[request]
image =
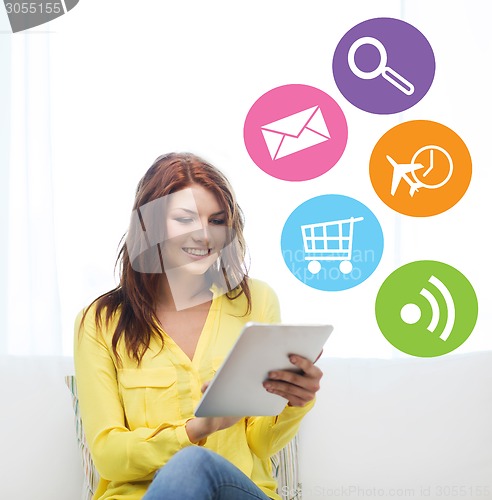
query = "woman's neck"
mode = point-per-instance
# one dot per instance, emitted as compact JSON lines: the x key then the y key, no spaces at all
{"x":178,"y":291}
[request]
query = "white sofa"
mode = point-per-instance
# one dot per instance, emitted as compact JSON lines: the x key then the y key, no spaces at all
{"x":405,"y":428}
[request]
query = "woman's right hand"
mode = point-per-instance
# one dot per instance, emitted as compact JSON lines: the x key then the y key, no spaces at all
{"x":199,"y":428}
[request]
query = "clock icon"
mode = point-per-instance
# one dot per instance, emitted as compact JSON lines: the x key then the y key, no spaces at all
{"x":437,"y":167}
{"x":420,"y":168}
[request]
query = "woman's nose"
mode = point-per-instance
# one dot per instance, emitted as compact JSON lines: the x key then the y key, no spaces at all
{"x":203,"y":234}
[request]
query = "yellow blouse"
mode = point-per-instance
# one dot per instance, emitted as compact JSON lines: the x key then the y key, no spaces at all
{"x":134,"y":417}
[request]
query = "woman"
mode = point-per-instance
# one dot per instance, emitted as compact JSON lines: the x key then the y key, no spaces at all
{"x":145,"y":350}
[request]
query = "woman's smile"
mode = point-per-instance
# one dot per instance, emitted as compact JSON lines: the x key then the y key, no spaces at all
{"x":198,"y":252}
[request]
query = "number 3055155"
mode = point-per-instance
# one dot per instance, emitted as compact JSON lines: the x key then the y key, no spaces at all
{"x":34,"y":8}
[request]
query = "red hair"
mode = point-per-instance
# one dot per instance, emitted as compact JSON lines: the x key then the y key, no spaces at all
{"x":135,"y":296}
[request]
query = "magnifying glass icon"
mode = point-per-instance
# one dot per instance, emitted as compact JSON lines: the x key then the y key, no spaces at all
{"x":387,"y":73}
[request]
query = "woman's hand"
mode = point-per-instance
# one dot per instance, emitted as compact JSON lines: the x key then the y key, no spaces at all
{"x":199,"y":428}
{"x":297,"y":388}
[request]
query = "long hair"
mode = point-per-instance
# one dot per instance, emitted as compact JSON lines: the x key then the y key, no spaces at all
{"x":135,"y":296}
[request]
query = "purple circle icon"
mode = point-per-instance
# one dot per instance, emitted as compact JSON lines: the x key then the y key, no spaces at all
{"x":384,"y":65}
{"x":295,"y":132}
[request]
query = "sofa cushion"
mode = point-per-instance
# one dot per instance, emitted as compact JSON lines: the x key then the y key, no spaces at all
{"x":39,"y":458}
{"x":91,"y":476}
{"x":405,"y":427}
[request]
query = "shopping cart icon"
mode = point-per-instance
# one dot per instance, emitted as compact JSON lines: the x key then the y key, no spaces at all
{"x":329,"y":241}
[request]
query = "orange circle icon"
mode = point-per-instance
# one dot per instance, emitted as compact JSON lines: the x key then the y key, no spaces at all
{"x":420,"y":168}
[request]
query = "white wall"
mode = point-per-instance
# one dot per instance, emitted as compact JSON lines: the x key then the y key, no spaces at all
{"x":130,"y":81}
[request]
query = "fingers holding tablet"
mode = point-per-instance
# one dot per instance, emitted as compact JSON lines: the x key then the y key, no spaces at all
{"x":299,"y":388}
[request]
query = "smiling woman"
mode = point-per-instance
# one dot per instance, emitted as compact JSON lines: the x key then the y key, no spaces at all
{"x":185,"y":208}
{"x":145,"y":351}
{"x":195,"y":230}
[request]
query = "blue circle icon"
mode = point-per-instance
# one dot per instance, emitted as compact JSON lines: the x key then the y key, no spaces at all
{"x":332,"y":242}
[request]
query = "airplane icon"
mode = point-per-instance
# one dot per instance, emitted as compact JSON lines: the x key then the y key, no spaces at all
{"x":400,"y":171}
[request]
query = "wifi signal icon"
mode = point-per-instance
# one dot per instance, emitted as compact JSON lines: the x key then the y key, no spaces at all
{"x":411,"y":313}
{"x":426,"y":308}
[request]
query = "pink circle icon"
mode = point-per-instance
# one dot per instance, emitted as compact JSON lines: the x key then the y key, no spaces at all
{"x":295,"y":132}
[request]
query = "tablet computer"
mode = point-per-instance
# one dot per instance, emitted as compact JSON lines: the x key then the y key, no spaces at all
{"x":237,"y":388}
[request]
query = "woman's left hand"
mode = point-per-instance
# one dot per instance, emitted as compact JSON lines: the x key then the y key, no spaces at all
{"x":297,"y":388}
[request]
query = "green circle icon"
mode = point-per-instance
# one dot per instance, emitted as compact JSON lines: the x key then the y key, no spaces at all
{"x":426,"y":308}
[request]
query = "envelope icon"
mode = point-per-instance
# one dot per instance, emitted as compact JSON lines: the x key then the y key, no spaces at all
{"x":295,"y":132}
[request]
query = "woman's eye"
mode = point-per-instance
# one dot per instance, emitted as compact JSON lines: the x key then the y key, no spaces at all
{"x":218,"y":222}
{"x":184,"y":220}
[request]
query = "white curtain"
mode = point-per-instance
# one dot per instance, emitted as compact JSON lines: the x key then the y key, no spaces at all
{"x":30,"y":311}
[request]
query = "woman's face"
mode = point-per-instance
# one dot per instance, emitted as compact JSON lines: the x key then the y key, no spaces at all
{"x":196,"y":230}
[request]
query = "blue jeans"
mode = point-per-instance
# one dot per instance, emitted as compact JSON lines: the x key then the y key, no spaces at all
{"x":196,"y":473}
